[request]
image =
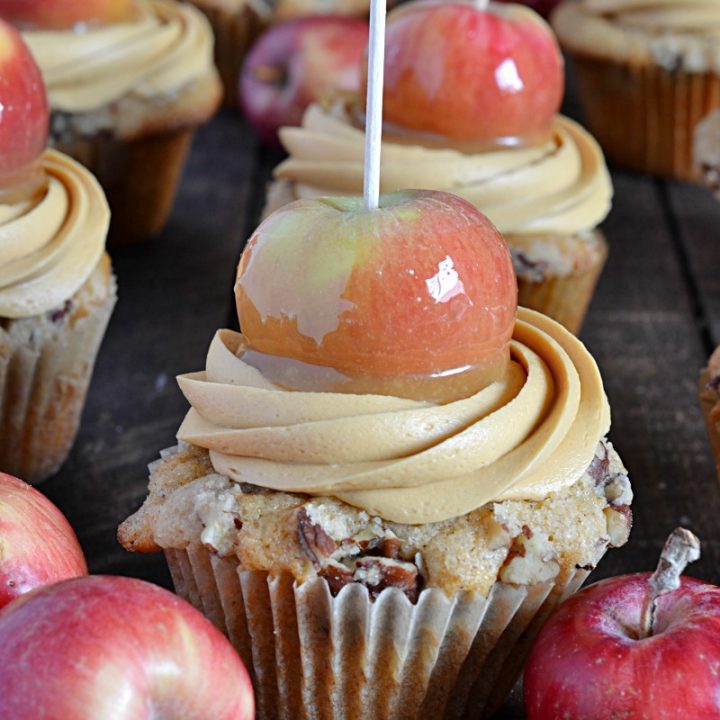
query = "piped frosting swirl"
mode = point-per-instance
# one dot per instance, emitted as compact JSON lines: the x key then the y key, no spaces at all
{"x":167,"y":47}
{"x":560,"y":187}
{"x":407,"y":461}
{"x":51,"y":243}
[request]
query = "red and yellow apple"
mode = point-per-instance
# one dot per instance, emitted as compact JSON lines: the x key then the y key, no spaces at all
{"x":456,"y":70}
{"x":65,"y":14}
{"x":23,"y":118}
{"x":607,"y":653}
{"x":112,"y":647}
{"x":37,"y":544}
{"x":294,"y":64}
{"x":422,"y":287}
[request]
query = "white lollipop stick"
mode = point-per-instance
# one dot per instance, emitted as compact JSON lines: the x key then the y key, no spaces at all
{"x":373,"y":113}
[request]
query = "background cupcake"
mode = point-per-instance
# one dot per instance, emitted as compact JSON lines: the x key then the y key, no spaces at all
{"x":128,"y":83}
{"x":455,"y":124}
{"x":56,"y":285}
{"x":385,"y":538}
{"x":647,"y":74}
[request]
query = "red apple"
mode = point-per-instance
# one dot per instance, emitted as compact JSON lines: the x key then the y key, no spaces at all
{"x":454,"y":70}
{"x":65,"y":14}
{"x":598,"y":658}
{"x":37,"y":544}
{"x":294,"y":64}
{"x":422,"y":287}
{"x":23,"y":119}
{"x":113,"y":647}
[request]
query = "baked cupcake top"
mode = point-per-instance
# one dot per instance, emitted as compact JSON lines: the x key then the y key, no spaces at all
{"x":51,"y":242}
{"x":671,"y":33}
{"x":559,"y":187}
{"x":169,"y":46}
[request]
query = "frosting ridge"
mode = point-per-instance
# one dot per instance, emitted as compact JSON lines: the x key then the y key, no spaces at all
{"x":408,"y":461}
{"x":50,"y":244}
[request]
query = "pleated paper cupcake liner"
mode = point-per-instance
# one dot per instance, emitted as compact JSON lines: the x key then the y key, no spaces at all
{"x":566,"y":298}
{"x":46,"y":363}
{"x":644,"y":116}
{"x":140,"y":177}
{"x":315,"y":656}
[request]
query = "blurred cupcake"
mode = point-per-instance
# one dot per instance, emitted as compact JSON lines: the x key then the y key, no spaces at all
{"x":648,"y":72}
{"x":710,"y":403}
{"x":377,"y":537}
{"x":128,"y":83}
{"x":238,"y":23}
{"x":57,"y":290}
{"x":706,"y":150}
{"x":492,"y":138}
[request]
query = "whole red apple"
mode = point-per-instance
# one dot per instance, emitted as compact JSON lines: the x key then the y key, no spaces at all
{"x":113,"y":647}
{"x":457,"y":70}
{"x":65,"y":14}
{"x":597,"y":658}
{"x":422,"y":287}
{"x":294,"y":64}
{"x":23,"y":118}
{"x":37,"y":544}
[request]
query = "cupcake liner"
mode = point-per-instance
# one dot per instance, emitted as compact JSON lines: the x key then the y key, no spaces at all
{"x":708,"y":401}
{"x":312,"y":655}
{"x":659,"y":109}
{"x":235,"y":31}
{"x":566,"y":298}
{"x":140,"y":177}
{"x":46,"y":363}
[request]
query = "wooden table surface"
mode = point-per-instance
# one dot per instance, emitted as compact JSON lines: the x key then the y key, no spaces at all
{"x":652,"y":324}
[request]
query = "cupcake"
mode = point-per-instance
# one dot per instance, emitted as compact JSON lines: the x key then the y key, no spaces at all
{"x":709,"y":391}
{"x":653,"y":64}
{"x":238,"y":23}
{"x":385,"y":485}
{"x":57,"y":290}
{"x":128,"y":83}
{"x":538,"y":176}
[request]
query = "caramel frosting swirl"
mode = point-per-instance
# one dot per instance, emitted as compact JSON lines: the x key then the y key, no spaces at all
{"x":559,"y":187}
{"x":50,"y":244}
{"x":407,"y":461}
{"x":668,"y":32}
{"x":168,"y":46}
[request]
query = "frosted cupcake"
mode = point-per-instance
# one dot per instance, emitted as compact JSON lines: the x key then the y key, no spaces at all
{"x":648,"y":72}
{"x":57,"y":290}
{"x":387,"y":482}
{"x":128,"y":83}
{"x":238,"y":23}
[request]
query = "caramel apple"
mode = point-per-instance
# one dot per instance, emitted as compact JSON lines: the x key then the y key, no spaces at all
{"x":23,"y":119}
{"x":416,"y":298}
{"x":465,"y":72}
{"x":64,"y":14}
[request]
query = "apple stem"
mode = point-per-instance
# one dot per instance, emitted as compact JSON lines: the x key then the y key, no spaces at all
{"x":682,"y":547}
{"x":373,"y":114}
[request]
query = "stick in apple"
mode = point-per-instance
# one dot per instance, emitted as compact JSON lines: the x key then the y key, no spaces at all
{"x":373,"y":118}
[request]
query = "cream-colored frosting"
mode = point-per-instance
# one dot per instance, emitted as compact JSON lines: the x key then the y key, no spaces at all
{"x":407,"y":461}
{"x":667,"y":32}
{"x":167,"y":47}
{"x":560,"y":187}
{"x":50,"y":244}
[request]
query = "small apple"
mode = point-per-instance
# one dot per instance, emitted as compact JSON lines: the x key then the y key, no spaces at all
{"x":24,"y":117}
{"x":113,"y":647}
{"x":65,"y":14}
{"x":37,"y":544}
{"x":294,"y":64}
{"x":642,"y":647}
{"x":422,"y":287}
{"x":465,"y":72}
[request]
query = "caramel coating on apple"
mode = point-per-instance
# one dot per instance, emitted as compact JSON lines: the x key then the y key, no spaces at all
{"x":66,"y":14}
{"x":422,"y":286}
{"x":484,"y":76}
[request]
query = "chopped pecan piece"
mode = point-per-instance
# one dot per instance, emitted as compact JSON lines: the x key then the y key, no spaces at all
{"x":316,"y":543}
{"x":378,"y":573}
{"x":388,"y":547}
{"x":58,"y":314}
{"x":337,"y":576}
